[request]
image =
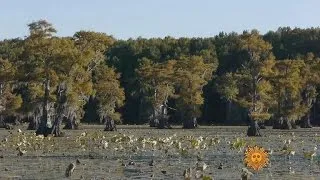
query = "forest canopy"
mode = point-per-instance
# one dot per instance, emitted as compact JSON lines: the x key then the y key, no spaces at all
{"x":248,"y":78}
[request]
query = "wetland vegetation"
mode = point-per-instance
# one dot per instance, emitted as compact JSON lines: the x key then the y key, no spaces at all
{"x":139,"y":152}
{"x":182,"y":88}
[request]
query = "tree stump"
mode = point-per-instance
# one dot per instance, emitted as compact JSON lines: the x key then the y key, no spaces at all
{"x":163,"y":122}
{"x":71,"y":123}
{"x":34,"y":123}
{"x":254,"y":129}
{"x":262,"y":126}
{"x":110,"y":125}
{"x":277,"y":123}
{"x":305,"y":122}
{"x":2,"y":123}
{"x":153,"y":122}
{"x":286,"y":124}
{"x":191,"y":123}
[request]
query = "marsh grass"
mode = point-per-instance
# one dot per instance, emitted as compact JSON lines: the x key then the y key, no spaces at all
{"x":173,"y":151}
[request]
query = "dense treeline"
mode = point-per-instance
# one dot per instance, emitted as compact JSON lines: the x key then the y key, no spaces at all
{"x":47,"y":80}
{"x":91,"y":77}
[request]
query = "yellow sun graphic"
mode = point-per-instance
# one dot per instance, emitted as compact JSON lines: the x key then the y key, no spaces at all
{"x":256,"y":158}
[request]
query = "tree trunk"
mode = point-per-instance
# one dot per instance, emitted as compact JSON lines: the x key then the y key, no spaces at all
{"x":159,"y":118}
{"x":163,"y":118}
{"x":163,"y":123}
{"x":228,"y":112}
{"x":56,"y":130}
{"x":305,"y":123}
{"x":71,"y":123}
{"x":277,"y":123}
{"x":61,"y":109}
{"x":43,"y":128}
{"x":190,"y":123}
{"x":254,"y":129}
{"x":261,"y":125}
{"x":2,"y":123}
{"x":154,"y":122}
{"x":286,"y":124}
{"x":153,"y":119}
{"x":34,"y":123}
{"x":110,"y":124}
{"x":294,"y":124}
{"x":2,"y":108}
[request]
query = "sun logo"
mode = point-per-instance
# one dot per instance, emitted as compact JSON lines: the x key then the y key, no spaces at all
{"x":256,"y":158}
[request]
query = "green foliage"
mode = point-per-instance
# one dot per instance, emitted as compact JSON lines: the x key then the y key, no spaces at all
{"x":31,"y":143}
{"x":157,"y":81}
{"x":108,"y":92}
{"x":206,"y":177}
{"x":9,"y":101}
{"x":238,"y":144}
{"x":40,"y":56}
{"x":41,"y":29}
{"x":287,"y":83}
{"x":249,"y":85}
{"x":92,"y":46}
{"x":7,"y":70}
{"x":290,"y":43}
{"x":130,"y":58}
{"x":227,"y":86}
{"x":190,"y":74}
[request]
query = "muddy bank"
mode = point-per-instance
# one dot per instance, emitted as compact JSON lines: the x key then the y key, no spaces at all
{"x":107,"y":155}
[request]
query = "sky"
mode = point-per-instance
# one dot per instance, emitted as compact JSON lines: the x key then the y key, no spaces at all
{"x":157,"y":18}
